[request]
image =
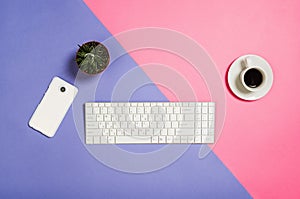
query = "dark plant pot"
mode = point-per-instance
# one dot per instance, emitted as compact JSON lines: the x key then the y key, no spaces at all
{"x":92,"y":57}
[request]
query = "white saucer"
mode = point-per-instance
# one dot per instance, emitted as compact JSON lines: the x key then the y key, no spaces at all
{"x":235,"y":84}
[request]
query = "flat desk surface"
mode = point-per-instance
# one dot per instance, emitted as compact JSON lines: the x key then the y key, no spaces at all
{"x":257,"y":151}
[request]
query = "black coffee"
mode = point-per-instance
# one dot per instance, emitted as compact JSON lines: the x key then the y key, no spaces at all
{"x":253,"y":78}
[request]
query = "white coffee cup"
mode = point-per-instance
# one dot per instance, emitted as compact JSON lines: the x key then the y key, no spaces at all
{"x":253,"y":77}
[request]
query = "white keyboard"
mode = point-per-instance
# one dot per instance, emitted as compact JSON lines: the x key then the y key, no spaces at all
{"x":149,"y":122}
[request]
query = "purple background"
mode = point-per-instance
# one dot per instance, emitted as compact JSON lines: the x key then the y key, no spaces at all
{"x":39,"y":40}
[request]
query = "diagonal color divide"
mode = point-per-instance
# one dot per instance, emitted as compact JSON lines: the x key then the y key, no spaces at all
{"x":258,"y":151}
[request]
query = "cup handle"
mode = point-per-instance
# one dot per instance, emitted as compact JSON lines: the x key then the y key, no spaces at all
{"x":247,"y":62}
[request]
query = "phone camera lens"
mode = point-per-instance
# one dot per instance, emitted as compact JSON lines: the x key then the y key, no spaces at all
{"x":62,"y":89}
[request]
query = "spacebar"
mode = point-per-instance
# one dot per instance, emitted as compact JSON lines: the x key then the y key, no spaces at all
{"x":133,"y":139}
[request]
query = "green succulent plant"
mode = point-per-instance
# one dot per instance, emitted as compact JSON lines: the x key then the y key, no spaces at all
{"x":92,"y":57}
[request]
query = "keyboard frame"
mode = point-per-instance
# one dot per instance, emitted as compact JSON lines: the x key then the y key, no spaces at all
{"x":101,"y":126}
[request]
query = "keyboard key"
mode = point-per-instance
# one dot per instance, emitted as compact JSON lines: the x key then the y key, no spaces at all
{"x":211,"y":124}
{"x":176,"y":139}
{"x":149,"y":132}
{"x":116,"y":125}
{"x":198,"y":110}
{"x":142,"y":132}
{"x":148,"y":110}
{"x":89,"y":140}
{"x":185,"y":110}
{"x":134,"y":104}
{"x":156,"y":131}
{"x":161,"y":110}
{"x":109,"y":125}
{"x":166,"y":117}
{"x":198,"y":139}
{"x":211,"y":109}
{"x":207,"y":139}
{"x":176,"y":110}
{"x":173,"y":117}
{"x":92,"y":125}
{"x":123,"y":125}
{"x":204,"y":124}
{"x":153,"y":125}
{"x":211,"y":104}
{"x":162,"y":139}
{"x":114,"y":118}
{"x":102,"y":125}
{"x":174,"y":124}
{"x":169,"y":139}
{"x":88,"y":110}
{"x":125,"y":110}
{"x":138,"y":124}
{"x":189,"y":117}
{"x":110,"y":140}
{"x":184,"y":132}
{"x":160,"y":125}
{"x":204,"y":131}
{"x":198,"y":117}
{"x":183,"y":139}
{"x":144,"y":117}
{"x":187,"y":124}
{"x":158,"y":118}
{"x":103,"y":110}
{"x":120,"y":132}
{"x":99,"y":118}
{"x":93,"y":132}
{"x":168,"y":125}
{"x":164,"y":132}
{"x":90,"y":118}
{"x":96,"y":110}
{"x":112,"y":132}
{"x":96,"y":140}
{"x":140,"y":110}
{"x":198,"y":132}
{"x":110,"y":110}
{"x":171,"y":131}
{"x":146,"y":124}
{"x":169,"y":110}
{"x":180,"y":117}
{"x":107,"y":117}
{"x":137,"y":117}
{"x":132,"y":139}
{"x":190,"y":139}
{"x":135,"y":132}
{"x":154,"y":110}
{"x":132,"y":110}
{"x":131,"y":125}
{"x":118,"y":110}
{"x":105,"y":132}
{"x":103,"y":139}
{"x":154,"y":139}
{"x":128,"y":132}
{"x":204,"y":104}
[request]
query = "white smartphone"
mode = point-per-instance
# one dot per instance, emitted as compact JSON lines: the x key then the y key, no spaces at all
{"x":53,"y":107}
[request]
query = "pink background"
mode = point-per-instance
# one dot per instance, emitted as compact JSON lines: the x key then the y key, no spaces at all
{"x":260,"y":140}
